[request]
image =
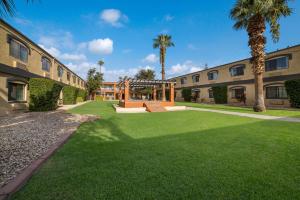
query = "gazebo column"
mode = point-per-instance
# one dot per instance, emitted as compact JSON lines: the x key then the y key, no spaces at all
{"x":126,"y":90}
{"x":171,"y":92}
{"x":120,"y":93}
{"x":154,"y":93}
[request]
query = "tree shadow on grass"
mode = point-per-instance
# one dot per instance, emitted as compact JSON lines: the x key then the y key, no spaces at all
{"x":246,"y":161}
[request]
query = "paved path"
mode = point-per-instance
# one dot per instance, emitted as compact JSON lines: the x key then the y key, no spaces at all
{"x":68,"y":107}
{"x":267,"y":117}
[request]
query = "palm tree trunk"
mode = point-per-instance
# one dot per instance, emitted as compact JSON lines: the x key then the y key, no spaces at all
{"x":163,"y":51}
{"x":257,"y":42}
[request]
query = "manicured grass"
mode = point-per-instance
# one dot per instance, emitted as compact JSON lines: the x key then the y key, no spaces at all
{"x":273,"y":112}
{"x":173,"y":155}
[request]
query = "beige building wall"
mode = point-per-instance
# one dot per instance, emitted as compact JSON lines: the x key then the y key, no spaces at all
{"x":34,"y":66}
{"x":277,"y":77}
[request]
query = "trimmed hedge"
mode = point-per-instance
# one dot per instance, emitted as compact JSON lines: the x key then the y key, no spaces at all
{"x":220,"y":94}
{"x":70,"y":95}
{"x":82,"y":95}
{"x":99,"y":98}
{"x":293,"y":92}
{"x":186,"y":93}
{"x":44,"y":94}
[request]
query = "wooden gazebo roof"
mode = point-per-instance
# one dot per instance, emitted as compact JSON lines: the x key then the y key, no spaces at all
{"x":144,"y":83}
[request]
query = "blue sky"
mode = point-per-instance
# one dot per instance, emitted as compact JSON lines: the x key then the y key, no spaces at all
{"x":121,"y":33}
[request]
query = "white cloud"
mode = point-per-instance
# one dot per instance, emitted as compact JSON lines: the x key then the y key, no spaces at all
{"x":113,"y":75}
{"x":168,"y":18}
{"x":151,"y":58}
{"x":57,"y":39}
{"x":101,"y":46}
{"x":52,"y":50}
{"x":73,"y":57}
{"x":187,"y":67}
{"x":82,"y":68}
{"x":192,"y":47}
{"x":113,"y":17}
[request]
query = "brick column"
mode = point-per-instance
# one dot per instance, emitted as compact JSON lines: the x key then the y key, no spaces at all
{"x":126,"y":90}
{"x":172,"y":92}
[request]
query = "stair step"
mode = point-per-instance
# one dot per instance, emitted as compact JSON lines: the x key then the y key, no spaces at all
{"x":154,"y":107}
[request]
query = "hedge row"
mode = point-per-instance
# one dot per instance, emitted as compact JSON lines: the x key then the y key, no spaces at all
{"x":220,"y":94}
{"x":186,"y":93}
{"x":293,"y":92}
{"x":44,"y":94}
{"x":73,"y":95}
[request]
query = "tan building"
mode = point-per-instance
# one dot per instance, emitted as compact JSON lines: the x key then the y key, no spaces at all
{"x":281,"y":65}
{"x":108,"y":91}
{"x":22,"y":59}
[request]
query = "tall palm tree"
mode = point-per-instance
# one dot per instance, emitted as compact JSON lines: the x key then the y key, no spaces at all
{"x":8,"y":7}
{"x":163,"y":42}
{"x":253,"y":15}
{"x":100,"y":63}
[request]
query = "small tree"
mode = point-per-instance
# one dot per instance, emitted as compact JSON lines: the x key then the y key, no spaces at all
{"x":186,"y":93}
{"x":94,"y":81}
{"x":145,"y":74}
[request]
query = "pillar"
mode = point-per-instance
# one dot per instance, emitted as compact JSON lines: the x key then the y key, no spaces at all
{"x":154,"y":93}
{"x":171,"y":92}
{"x":126,"y":90}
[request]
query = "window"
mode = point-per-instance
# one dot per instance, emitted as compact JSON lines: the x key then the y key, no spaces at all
{"x":183,"y":80}
{"x":277,"y":63}
{"x":237,"y":70}
{"x":68,"y":76}
{"x":237,"y":93}
{"x":276,"y":92}
{"x":60,"y":71}
{"x":19,"y":51}
{"x":46,"y":64}
{"x":16,"y":92}
{"x":212,"y":75}
{"x":78,"y":81}
{"x":74,"y":79}
{"x":210,"y":93}
{"x":196,"y":78}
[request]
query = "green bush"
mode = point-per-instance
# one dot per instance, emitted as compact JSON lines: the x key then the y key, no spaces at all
{"x":220,"y":94}
{"x":69,"y":95}
{"x":99,"y":98}
{"x":186,"y":93}
{"x":79,"y":99}
{"x":44,"y":94}
{"x":293,"y":92}
{"x":82,"y":94}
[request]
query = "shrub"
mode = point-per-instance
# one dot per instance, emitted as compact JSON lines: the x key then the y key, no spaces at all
{"x":293,"y":92}
{"x":186,"y":93}
{"x":79,"y":99}
{"x":99,"y":98}
{"x":220,"y":94}
{"x":44,"y":94}
{"x":69,"y":95}
{"x":82,"y":94}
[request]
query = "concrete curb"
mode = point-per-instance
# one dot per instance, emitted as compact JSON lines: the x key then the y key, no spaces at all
{"x":15,"y":184}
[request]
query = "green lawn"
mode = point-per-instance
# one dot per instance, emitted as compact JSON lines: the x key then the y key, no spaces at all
{"x":273,"y":112}
{"x":173,"y":155}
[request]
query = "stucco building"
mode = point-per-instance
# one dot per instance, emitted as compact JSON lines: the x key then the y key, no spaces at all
{"x":108,"y":91}
{"x":22,"y":59}
{"x":281,"y":65}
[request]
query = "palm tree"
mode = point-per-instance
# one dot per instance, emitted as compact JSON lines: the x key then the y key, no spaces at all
{"x":163,"y":42}
{"x":100,"y":63}
{"x":253,"y":15}
{"x":8,"y":7}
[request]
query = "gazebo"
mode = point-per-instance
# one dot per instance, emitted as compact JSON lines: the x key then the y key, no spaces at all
{"x":135,"y":93}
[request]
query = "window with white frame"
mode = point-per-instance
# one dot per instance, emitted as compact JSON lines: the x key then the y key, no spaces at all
{"x":196,"y":78}
{"x":16,"y":91}
{"x":237,"y":70}
{"x":183,"y":80}
{"x":277,"y":63}
{"x":18,"y":50}
{"x":210,"y":93}
{"x":237,"y":93}
{"x":60,"y":71}
{"x":46,"y":64}
{"x":213,"y":75}
{"x":276,"y":92}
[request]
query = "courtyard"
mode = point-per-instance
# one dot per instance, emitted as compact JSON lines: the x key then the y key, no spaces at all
{"x":171,"y":155}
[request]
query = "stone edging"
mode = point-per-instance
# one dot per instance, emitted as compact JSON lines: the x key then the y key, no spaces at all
{"x":14,"y":185}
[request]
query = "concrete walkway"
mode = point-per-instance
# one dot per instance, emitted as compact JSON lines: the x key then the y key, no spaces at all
{"x":256,"y":116}
{"x":68,"y":107}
